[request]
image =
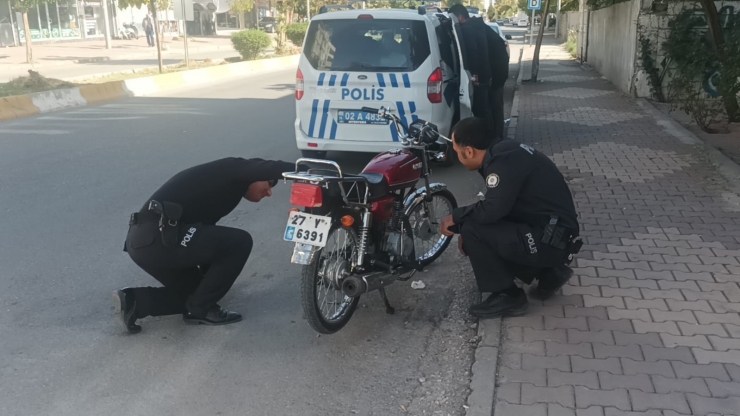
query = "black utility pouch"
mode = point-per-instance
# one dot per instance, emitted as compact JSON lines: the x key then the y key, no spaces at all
{"x":170,"y":214}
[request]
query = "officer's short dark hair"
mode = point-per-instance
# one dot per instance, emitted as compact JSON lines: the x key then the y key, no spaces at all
{"x":459,"y":10}
{"x":472,"y":132}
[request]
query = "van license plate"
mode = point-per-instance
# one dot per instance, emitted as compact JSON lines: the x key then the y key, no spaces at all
{"x":307,"y":229}
{"x":358,"y":117}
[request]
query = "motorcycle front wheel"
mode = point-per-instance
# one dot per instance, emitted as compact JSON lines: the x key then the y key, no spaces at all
{"x":424,"y":218}
{"x":326,"y":307}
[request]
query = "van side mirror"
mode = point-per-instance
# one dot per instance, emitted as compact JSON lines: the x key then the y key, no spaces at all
{"x":508,"y":37}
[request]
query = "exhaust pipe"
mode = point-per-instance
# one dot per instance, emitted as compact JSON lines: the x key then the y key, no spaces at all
{"x":355,"y":286}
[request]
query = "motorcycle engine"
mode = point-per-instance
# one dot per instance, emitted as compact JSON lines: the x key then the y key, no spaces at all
{"x":393,"y":244}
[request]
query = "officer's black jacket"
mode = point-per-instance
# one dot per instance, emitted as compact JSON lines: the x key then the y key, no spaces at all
{"x":523,"y":186}
{"x":210,"y":191}
{"x":476,"y":48}
{"x":497,"y":57}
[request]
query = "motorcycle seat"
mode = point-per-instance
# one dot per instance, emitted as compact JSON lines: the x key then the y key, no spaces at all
{"x":377,"y":184}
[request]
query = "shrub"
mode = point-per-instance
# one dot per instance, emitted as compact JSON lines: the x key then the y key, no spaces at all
{"x":572,"y":44}
{"x":250,"y":43}
{"x":296,"y":32}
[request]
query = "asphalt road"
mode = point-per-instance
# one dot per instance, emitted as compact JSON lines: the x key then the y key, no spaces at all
{"x":68,"y":182}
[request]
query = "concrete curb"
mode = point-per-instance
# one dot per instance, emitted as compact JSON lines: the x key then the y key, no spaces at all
{"x":514,"y":116}
{"x":43,"y":102}
{"x":485,"y":364}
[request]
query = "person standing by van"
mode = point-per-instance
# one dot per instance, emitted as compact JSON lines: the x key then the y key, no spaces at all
{"x":478,"y":58}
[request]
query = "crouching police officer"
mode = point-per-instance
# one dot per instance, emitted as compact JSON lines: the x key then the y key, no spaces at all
{"x":526,"y":227}
{"x":174,"y":238}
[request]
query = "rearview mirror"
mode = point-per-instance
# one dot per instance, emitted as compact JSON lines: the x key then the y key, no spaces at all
{"x":508,"y":37}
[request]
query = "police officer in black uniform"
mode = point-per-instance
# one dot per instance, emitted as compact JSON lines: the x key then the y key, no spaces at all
{"x":175,"y":239}
{"x":525,"y":228}
{"x":475,"y":43}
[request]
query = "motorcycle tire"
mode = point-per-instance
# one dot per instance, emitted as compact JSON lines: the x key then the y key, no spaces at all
{"x":314,"y":154}
{"x":312,"y":284}
{"x":425,"y":259}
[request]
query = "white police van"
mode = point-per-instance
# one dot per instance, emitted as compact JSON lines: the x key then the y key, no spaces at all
{"x":404,"y":60}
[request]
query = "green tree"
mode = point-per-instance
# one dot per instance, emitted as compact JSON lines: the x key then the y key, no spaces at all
{"x":23,"y":6}
{"x":241,"y":7}
{"x":506,"y":8}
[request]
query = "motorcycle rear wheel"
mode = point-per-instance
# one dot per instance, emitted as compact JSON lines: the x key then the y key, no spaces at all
{"x":326,"y":307}
{"x":429,"y":243}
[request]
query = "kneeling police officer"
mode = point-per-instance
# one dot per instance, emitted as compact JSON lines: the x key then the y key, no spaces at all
{"x":175,"y":239}
{"x":525,"y":228}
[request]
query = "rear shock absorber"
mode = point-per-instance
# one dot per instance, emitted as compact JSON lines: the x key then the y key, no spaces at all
{"x":364,"y":236}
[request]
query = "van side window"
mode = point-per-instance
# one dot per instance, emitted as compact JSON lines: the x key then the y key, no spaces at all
{"x":373,"y":45}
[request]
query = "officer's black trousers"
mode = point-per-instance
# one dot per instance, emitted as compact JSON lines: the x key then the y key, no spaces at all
{"x":496,"y":104}
{"x":503,"y":251}
{"x":481,"y":107}
{"x":196,"y":272}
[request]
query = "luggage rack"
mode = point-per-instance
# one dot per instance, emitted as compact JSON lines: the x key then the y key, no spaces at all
{"x":318,"y":178}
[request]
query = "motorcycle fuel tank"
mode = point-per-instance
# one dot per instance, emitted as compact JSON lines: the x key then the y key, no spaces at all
{"x":401,"y":168}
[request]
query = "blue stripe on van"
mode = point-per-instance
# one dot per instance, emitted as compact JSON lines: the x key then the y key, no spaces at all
{"x":394,"y":81}
{"x":345,"y":77}
{"x":314,"y":109}
{"x":394,"y":133}
{"x":402,"y":113}
{"x":333,"y":134}
{"x":321,"y":79}
{"x":381,"y":81}
{"x":332,"y":80}
{"x":406,"y":81}
{"x":412,"y":110}
{"x":324,"y":116}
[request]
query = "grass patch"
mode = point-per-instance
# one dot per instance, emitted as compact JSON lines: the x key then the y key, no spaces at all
{"x":35,"y":82}
{"x":572,"y":44}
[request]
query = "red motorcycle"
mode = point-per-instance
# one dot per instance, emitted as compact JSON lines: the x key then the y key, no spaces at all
{"x":359,"y":233}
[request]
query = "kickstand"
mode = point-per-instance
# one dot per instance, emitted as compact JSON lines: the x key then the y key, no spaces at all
{"x":388,"y":308}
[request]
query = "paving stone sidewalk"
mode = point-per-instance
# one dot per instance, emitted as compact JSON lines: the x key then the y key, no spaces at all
{"x":649,"y":324}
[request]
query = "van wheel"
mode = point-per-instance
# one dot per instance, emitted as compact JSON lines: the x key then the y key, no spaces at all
{"x":314,"y":154}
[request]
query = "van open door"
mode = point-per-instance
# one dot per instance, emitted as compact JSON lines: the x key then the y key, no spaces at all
{"x":466,"y":83}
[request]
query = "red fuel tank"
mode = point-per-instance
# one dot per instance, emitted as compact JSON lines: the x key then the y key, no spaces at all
{"x":401,"y":169}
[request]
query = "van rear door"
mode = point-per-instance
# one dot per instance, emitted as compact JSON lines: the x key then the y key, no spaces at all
{"x":348,"y":64}
{"x":466,"y":80}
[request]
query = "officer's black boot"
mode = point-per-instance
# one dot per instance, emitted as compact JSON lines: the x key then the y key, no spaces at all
{"x":215,"y":316}
{"x":125,"y":304}
{"x":551,"y":280}
{"x":510,"y":302}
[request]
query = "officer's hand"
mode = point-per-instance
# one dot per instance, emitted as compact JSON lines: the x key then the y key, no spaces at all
{"x":460,"y":246}
{"x":445,"y":224}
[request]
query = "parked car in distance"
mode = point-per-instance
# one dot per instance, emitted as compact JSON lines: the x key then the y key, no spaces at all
{"x":268,"y":24}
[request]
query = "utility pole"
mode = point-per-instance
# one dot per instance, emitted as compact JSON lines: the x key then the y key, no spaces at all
{"x":557,"y":22}
{"x":104,"y":3}
{"x":308,"y":10}
{"x":531,"y":29}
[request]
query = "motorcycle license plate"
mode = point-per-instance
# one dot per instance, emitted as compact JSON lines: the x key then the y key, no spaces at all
{"x":307,"y":229}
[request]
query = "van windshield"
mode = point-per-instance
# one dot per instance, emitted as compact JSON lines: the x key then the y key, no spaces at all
{"x":367,"y":45}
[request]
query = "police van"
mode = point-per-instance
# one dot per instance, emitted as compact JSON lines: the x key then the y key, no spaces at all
{"x":408,"y":61}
